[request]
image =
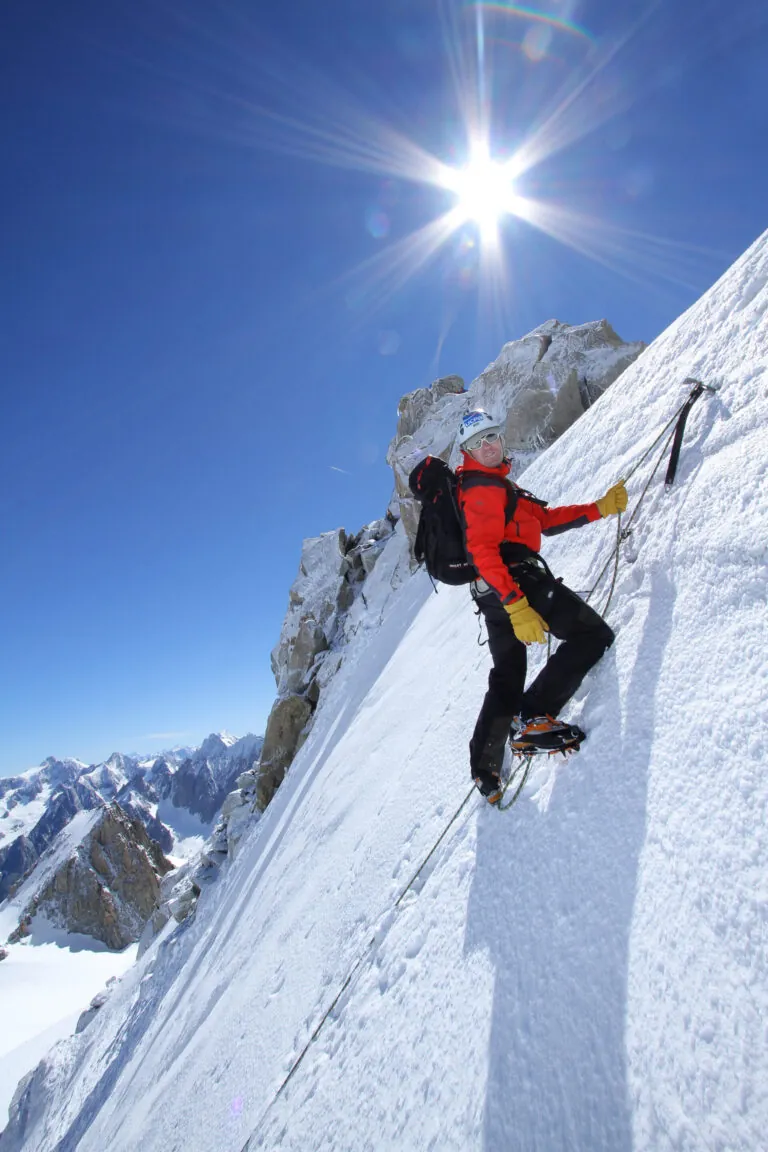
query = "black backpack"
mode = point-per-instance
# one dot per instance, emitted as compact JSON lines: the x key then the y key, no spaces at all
{"x":440,"y":536}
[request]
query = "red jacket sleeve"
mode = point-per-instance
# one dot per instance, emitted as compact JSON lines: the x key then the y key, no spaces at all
{"x":484,"y":521}
{"x":555,"y":520}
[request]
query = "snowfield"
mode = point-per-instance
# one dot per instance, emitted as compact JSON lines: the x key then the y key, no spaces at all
{"x":584,"y":972}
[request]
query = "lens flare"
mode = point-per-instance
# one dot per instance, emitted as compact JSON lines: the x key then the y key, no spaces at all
{"x":524,"y":13}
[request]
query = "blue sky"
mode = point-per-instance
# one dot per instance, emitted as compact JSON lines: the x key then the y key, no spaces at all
{"x":202,"y":343}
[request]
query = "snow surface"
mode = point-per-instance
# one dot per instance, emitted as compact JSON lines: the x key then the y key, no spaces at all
{"x":584,"y":972}
{"x":43,"y":990}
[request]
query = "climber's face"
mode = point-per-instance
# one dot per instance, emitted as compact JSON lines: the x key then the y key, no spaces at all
{"x":488,"y":451}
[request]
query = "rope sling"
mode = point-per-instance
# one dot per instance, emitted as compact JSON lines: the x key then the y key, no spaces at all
{"x":519,"y":777}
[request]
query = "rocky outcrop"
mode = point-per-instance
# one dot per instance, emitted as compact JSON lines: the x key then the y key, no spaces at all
{"x":179,"y":893}
{"x":136,"y":807}
{"x":421,"y":416}
{"x":313,"y":606}
{"x":282,"y":739}
{"x":415,"y":408}
{"x":332,"y":571}
{"x":107,"y":888}
{"x":95,"y":1006}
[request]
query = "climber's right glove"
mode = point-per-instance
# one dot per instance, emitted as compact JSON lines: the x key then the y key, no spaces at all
{"x":529,"y":627}
{"x":614,"y":501}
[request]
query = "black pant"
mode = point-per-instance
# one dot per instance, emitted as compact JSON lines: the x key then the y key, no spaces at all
{"x":585,"y":637}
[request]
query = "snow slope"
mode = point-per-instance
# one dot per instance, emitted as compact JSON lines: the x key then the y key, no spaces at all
{"x":45,"y":987}
{"x":586,"y":971}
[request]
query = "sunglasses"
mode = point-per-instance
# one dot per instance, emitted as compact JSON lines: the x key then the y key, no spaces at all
{"x":492,"y":436}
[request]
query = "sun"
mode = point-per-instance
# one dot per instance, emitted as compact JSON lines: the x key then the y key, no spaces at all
{"x":484,"y":190}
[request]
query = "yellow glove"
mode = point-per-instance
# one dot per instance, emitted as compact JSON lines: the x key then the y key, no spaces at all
{"x":615,"y":500}
{"x":528,"y":625}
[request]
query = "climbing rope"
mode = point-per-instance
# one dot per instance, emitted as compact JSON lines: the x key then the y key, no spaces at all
{"x":251,"y":1141}
{"x":518,"y":779}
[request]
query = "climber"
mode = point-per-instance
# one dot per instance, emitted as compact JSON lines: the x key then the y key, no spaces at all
{"x":521,"y":600}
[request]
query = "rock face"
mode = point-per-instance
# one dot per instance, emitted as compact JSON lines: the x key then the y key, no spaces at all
{"x":537,"y":387}
{"x":179,"y":893}
{"x":286,"y":722}
{"x":107,"y":888}
{"x":332,"y":570}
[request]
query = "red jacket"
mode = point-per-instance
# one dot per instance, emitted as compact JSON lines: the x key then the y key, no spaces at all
{"x":484,"y":510}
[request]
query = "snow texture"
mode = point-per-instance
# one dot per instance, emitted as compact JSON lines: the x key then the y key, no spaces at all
{"x":585,"y":972}
{"x":44,"y":989}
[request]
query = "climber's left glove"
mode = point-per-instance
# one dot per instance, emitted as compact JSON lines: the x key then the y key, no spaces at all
{"x":614,"y":501}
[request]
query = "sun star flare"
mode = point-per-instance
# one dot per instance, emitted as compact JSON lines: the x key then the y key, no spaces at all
{"x":485,"y":191}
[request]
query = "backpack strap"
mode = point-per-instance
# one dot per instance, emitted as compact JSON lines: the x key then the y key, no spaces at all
{"x":483,"y":480}
{"x":529,"y":495}
{"x":418,"y":544}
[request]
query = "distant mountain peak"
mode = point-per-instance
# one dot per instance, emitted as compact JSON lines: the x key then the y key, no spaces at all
{"x":215,"y":745}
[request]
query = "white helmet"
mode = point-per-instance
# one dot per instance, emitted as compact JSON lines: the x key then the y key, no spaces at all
{"x":475,"y":423}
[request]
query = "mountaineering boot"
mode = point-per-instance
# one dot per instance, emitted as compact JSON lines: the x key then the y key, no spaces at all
{"x":489,"y":785}
{"x":544,"y":734}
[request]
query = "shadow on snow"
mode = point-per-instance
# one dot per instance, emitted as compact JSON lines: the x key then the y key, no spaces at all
{"x":552,"y":901}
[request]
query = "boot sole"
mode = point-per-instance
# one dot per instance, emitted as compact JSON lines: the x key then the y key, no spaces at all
{"x":564,"y":744}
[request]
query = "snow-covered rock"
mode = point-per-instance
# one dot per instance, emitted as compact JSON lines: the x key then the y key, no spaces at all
{"x":106,"y":886}
{"x":313,"y":604}
{"x":110,"y":777}
{"x":179,"y":893}
{"x":19,"y":857}
{"x":98,"y":1001}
